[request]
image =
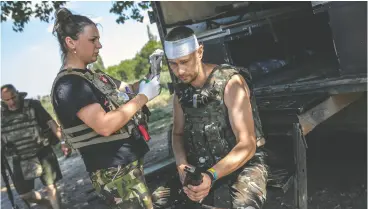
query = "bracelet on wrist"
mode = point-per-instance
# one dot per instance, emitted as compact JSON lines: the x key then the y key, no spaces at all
{"x":212,"y":173}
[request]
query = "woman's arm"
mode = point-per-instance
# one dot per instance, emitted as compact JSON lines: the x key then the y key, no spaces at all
{"x":106,"y":123}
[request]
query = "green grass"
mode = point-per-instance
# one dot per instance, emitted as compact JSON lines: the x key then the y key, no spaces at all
{"x":161,"y":100}
{"x":160,"y":120}
{"x":161,"y":107}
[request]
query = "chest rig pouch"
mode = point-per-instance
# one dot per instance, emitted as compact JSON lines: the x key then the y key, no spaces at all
{"x":114,"y":99}
{"x":208,"y":136}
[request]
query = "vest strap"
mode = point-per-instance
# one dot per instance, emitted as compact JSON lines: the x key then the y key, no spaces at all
{"x":101,"y":140}
{"x":93,"y":137}
{"x":83,"y":137}
{"x":87,"y":139}
{"x":76,"y":129}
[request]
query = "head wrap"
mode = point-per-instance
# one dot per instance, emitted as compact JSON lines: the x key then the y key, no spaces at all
{"x":180,"y":48}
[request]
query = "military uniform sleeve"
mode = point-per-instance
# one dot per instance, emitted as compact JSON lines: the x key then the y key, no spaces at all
{"x":41,"y":114}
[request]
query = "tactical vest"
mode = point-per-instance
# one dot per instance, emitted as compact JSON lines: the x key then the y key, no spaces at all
{"x":114,"y":98}
{"x":208,"y":136}
{"x":21,"y":132}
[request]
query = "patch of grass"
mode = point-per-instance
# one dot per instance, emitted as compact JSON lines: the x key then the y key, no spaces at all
{"x":165,"y":78}
{"x":161,"y":100}
{"x":161,"y":108}
{"x":160,"y":119}
{"x":46,"y":103}
{"x":160,"y":113}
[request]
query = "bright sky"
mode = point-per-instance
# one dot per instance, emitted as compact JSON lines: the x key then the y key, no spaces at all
{"x":30,"y":60}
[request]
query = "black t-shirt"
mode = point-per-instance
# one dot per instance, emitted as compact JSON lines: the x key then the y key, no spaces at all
{"x":72,"y":93}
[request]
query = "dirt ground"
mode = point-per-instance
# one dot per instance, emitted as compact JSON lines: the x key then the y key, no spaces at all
{"x":337,"y":175}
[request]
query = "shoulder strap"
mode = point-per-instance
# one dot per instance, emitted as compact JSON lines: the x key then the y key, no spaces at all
{"x":27,"y":108}
{"x":89,"y":77}
{"x":220,"y":76}
{"x":58,"y":77}
{"x":229,"y":71}
{"x":3,"y":109}
{"x":26,"y":103}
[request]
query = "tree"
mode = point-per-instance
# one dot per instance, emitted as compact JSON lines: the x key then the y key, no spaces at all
{"x":123,"y":71}
{"x":151,"y":37}
{"x":136,"y":68}
{"x":143,"y":65}
{"x":21,"y":11}
{"x":120,"y":7}
{"x":98,"y":64}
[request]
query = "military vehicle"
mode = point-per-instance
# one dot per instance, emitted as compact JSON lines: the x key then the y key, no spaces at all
{"x":308,"y":61}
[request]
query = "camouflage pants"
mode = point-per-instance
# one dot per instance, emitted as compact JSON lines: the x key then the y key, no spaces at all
{"x":246,"y":186}
{"x":123,"y":187}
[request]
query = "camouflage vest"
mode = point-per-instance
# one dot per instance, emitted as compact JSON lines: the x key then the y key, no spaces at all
{"x":208,"y":136}
{"x":115,"y":98}
{"x":21,"y":132}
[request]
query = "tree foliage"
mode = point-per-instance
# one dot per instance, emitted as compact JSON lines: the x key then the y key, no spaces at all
{"x":20,"y":12}
{"x":136,"y":68}
{"x":98,"y":64}
{"x":120,"y":8}
{"x":151,"y":37}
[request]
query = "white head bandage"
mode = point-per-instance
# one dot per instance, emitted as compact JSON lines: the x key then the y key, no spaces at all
{"x":180,"y":48}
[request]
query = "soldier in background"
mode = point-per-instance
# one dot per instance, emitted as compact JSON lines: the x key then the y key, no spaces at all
{"x":27,"y":133}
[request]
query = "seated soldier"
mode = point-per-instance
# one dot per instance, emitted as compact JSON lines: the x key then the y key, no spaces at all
{"x":216,"y":129}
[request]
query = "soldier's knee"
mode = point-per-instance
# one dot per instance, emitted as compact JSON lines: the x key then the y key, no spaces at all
{"x":51,"y":189}
{"x":250,"y":201}
{"x":249,"y":197}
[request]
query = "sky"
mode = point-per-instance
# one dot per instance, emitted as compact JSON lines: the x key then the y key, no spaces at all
{"x":31,"y":60}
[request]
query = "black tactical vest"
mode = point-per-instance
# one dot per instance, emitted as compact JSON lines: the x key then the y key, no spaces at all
{"x":21,"y":132}
{"x":208,"y":136}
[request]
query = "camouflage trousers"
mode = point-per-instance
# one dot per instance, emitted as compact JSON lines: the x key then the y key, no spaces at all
{"x":123,"y":187}
{"x":246,"y":188}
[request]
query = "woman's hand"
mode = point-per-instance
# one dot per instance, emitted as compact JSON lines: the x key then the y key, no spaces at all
{"x":150,"y":88}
